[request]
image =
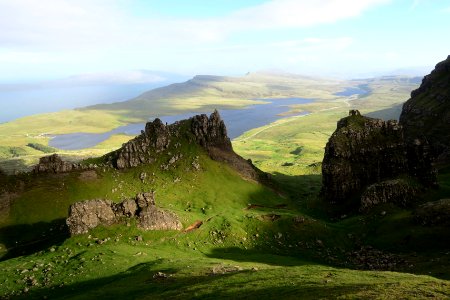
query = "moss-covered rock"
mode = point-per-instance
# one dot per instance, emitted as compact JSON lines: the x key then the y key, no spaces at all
{"x":426,"y":115}
{"x":365,"y":151}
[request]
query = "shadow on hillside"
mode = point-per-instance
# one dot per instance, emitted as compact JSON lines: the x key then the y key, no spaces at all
{"x":304,"y":192}
{"x":27,"y":239}
{"x":13,"y":165}
{"x":250,"y":255}
{"x":142,"y":281}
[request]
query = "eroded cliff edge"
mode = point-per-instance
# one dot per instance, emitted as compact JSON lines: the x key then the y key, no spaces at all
{"x":368,"y":161}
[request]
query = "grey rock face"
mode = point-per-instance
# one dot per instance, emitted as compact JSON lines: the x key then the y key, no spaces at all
{"x":89,"y":214}
{"x":145,"y":199}
{"x":127,"y":208}
{"x":151,"y":218}
{"x":211,"y":132}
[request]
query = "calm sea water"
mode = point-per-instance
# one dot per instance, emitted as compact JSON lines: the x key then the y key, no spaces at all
{"x":360,"y":90}
{"x":237,"y":121}
{"x":19,"y":103}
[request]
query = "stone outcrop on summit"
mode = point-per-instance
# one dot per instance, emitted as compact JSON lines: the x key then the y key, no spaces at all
{"x":365,"y":151}
{"x":209,"y":133}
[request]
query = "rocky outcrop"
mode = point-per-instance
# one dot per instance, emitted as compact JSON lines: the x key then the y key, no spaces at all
{"x":426,"y":115}
{"x":89,"y":214}
{"x":434,"y":213}
{"x":211,"y":132}
{"x":54,"y":164}
{"x":152,"y":218}
{"x":365,"y":151}
{"x":208,"y":132}
{"x":396,"y":191}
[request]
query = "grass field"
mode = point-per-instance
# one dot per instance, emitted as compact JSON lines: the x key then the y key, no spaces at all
{"x":237,"y":252}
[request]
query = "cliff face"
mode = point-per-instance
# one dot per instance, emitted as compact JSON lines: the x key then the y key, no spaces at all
{"x":365,"y":151}
{"x":426,"y":115}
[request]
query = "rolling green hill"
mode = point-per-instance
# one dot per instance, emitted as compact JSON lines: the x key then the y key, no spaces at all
{"x":255,"y":241}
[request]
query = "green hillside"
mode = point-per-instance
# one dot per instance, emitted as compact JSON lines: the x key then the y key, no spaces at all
{"x":254,"y":241}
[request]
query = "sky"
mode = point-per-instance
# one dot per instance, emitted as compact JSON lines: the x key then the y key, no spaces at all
{"x":50,"y":39}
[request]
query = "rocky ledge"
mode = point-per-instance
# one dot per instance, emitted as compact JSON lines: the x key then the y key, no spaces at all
{"x":365,"y":151}
{"x":209,"y":133}
{"x":89,"y":214}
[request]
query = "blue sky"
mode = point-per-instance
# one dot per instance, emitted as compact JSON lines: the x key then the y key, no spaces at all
{"x":49,"y":39}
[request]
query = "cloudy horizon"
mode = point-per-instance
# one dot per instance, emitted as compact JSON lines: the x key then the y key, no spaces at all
{"x":50,"y":39}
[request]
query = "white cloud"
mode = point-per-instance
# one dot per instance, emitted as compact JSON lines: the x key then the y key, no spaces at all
{"x":64,"y":24}
{"x":92,"y":35}
{"x":299,"y":13}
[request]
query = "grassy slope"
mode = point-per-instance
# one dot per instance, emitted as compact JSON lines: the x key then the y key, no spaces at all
{"x":235,"y":253}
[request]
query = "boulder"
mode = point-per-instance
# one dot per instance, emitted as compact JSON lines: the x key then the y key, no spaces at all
{"x":152,"y":218}
{"x":145,"y":199}
{"x":397,"y":191}
{"x":434,"y":213}
{"x":89,"y":214}
{"x":127,"y":208}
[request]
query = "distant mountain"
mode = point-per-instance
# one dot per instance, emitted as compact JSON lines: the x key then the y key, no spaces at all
{"x":205,"y":92}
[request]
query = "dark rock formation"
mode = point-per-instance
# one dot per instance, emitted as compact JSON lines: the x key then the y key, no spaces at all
{"x":434,"y":213}
{"x":426,"y":115}
{"x":395,"y":191}
{"x":54,"y":164}
{"x":364,"y":151}
{"x":89,"y":214}
{"x":210,"y":133}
